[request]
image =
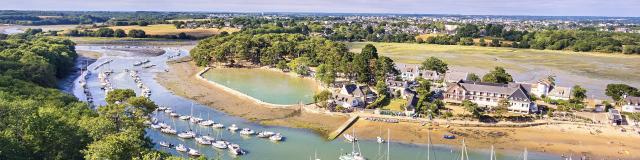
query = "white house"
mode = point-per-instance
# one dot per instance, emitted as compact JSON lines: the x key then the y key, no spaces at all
{"x":546,"y":88}
{"x":408,"y":72}
{"x":631,"y":104}
{"x":490,"y":94}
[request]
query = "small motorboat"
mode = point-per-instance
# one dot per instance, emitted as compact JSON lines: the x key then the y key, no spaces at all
{"x":247,"y":131}
{"x":202,"y":141}
{"x":352,"y":156}
{"x":206,"y":123}
{"x":185,"y":117}
{"x":218,"y":125}
{"x":164,"y":144}
{"x":350,"y":138}
{"x":169,"y":131}
{"x":276,"y":137}
{"x":233,"y":128}
{"x":164,"y":125}
{"x":449,"y":137}
{"x":193,"y":152}
{"x":220,"y":144}
{"x":181,"y":148}
{"x":174,"y":114}
{"x":265,"y":134}
{"x":235,"y":149}
{"x":379,"y":140}
{"x":208,"y":138}
{"x":156,"y":126}
{"x":168,"y":110}
{"x":195,"y":120}
{"x":187,"y":135}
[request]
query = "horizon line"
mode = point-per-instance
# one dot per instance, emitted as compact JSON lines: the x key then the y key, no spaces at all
{"x":312,"y":12}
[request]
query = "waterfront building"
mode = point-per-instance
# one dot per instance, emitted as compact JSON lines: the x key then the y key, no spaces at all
{"x":489,"y":94}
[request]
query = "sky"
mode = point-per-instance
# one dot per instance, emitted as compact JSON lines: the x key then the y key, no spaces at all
{"x":626,"y":8}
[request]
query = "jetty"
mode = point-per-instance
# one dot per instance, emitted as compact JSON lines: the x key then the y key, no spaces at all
{"x":343,"y":127}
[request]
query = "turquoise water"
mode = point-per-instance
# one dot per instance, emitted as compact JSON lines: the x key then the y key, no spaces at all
{"x":298,"y":143}
{"x":265,"y":85}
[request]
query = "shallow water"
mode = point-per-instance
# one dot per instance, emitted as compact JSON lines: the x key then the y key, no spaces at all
{"x":265,"y":85}
{"x":298,"y":144}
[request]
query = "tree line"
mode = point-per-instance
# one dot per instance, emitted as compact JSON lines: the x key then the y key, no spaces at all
{"x":573,"y":40}
{"x":294,"y":52}
{"x":41,"y":122}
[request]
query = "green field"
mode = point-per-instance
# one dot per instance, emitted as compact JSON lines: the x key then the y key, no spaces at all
{"x":593,"y":70}
{"x":396,"y":105}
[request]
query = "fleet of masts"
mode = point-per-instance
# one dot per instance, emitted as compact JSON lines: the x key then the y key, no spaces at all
{"x":216,"y":143}
{"x":146,"y":92}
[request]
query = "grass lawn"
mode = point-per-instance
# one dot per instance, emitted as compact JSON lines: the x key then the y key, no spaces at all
{"x":170,"y":29}
{"x":396,"y":104}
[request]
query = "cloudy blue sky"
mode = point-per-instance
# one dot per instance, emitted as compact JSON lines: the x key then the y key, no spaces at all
{"x":475,"y":7}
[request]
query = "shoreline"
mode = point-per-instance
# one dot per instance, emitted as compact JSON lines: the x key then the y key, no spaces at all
{"x":182,"y":76}
{"x":560,"y":139}
{"x":238,"y":93}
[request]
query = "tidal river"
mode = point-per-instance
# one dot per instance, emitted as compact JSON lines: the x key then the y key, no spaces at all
{"x":298,"y":143}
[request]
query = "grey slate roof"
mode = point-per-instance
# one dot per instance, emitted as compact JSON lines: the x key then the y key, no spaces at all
{"x":513,"y":91}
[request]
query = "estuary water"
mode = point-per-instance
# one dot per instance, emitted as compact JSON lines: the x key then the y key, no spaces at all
{"x":265,"y":85}
{"x":298,"y":143}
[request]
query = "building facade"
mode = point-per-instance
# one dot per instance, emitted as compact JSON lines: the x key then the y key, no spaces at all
{"x":489,"y":95}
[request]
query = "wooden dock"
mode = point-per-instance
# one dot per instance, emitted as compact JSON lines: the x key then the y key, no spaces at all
{"x":343,"y":127}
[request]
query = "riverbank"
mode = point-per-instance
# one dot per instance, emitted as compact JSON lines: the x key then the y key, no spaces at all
{"x":562,"y":139}
{"x":181,"y":80}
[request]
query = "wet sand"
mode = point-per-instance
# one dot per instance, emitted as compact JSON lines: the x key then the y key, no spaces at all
{"x":181,"y":80}
{"x":570,"y":140}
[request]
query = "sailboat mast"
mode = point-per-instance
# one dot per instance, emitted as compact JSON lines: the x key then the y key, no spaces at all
{"x":429,"y":145}
{"x":491,"y":157}
{"x":388,"y":142}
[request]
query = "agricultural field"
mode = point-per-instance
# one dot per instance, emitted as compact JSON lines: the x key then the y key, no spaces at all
{"x":169,"y":29}
{"x":591,"y":70}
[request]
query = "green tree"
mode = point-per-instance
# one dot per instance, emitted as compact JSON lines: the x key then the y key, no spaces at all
{"x":119,"y":95}
{"x":136,"y":33}
{"x":471,"y":108}
{"x":326,"y":74}
{"x":282,"y":65}
{"x":382,"y":88}
{"x":104,"y":32}
{"x":361,"y":68}
{"x":497,"y":75}
{"x":502,"y":108}
{"x":435,"y":64}
{"x":616,"y":91}
{"x":369,"y":52}
{"x":322,"y":98}
{"x":119,"y":33}
{"x":578,"y":94}
{"x":300,"y":65}
{"x":129,"y":144}
{"x":473,"y":77}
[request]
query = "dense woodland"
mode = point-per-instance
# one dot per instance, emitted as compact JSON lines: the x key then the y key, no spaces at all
{"x":295,"y":52}
{"x":41,"y":122}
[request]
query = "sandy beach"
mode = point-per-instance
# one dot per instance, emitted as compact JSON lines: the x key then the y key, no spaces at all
{"x":565,"y":139}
